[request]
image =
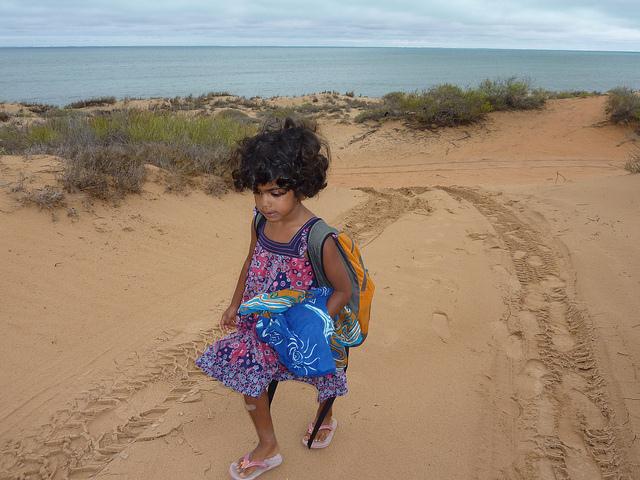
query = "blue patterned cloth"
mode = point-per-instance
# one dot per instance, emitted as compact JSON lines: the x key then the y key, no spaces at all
{"x":296,"y":324}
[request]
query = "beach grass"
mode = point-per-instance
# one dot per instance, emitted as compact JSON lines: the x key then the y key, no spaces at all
{"x":105,"y":153}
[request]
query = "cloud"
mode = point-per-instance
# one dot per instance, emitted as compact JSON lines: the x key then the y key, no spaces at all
{"x":589,"y":24}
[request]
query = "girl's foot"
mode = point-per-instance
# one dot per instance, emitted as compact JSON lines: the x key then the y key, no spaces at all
{"x":260,"y":453}
{"x":326,"y":430}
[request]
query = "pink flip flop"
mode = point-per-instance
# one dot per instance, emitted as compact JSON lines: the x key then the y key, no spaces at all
{"x":262,"y":466}
{"x":324,"y":443}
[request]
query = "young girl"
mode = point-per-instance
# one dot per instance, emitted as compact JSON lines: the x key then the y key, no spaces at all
{"x":282,"y":167}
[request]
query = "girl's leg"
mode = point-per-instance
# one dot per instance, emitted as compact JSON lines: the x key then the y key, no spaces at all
{"x":260,"y":414}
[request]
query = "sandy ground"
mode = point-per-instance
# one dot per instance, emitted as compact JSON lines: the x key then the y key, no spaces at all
{"x":505,"y":338}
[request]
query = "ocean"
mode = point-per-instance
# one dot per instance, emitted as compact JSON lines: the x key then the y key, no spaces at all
{"x":60,"y":75}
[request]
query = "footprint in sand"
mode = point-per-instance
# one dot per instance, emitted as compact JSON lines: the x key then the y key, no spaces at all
{"x":440,"y":325}
{"x":530,"y":381}
{"x":519,"y":254}
{"x":510,"y":343}
{"x":534,"y":299}
{"x":535,"y":261}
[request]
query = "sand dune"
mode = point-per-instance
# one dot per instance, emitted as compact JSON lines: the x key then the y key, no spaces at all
{"x":504,"y":341}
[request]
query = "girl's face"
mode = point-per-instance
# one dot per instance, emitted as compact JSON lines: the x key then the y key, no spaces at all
{"x":274,"y":202}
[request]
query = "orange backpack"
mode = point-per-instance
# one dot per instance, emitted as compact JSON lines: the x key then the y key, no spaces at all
{"x":352,"y":323}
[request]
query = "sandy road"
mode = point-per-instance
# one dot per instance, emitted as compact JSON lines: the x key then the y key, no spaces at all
{"x":504,"y":343}
{"x":566,"y":427}
{"x":479,"y":365}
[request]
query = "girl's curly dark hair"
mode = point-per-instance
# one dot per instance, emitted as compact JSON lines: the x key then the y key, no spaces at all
{"x":289,"y":154}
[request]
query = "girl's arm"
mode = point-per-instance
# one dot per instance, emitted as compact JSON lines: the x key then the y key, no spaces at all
{"x":337,"y":275}
{"x":229,"y":315}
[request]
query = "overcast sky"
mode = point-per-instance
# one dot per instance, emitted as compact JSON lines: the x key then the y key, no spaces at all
{"x":543,"y":24}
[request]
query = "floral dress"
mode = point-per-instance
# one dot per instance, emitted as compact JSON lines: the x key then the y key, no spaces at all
{"x":242,"y":362}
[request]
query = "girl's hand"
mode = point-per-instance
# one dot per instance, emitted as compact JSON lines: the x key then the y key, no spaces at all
{"x":228,"y":319}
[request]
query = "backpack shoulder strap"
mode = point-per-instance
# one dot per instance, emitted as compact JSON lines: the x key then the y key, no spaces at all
{"x":319,"y":232}
{"x":257,"y":220}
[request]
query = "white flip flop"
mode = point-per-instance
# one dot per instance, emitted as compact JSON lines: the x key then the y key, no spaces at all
{"x":261,"y":466}
{"x":324,"y":443}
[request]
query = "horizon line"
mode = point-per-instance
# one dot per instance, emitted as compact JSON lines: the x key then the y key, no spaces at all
{"x":321,"y":46}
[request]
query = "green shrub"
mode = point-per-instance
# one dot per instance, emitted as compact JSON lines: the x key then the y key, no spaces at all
{"x":214,"y":94}
{"x":12,"y":139}
{"x":449,"y":105}
{"x":623,"y":105}
{"x":42,"y":134}
{"x":376,"y":114}
{"x":570,"y":94}
{"x":93,"y":102}
{"x":237,"y":116}
{"x":442,"y":105}
{"x":511,"y":94}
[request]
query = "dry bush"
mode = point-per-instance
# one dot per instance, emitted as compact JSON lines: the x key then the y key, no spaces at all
{"x":4,"y":116}
{"x":48,"y":197}
{"x":356,"y":103}
{"x":633,"y":164}
{"x":177,"y":181}
{"x":216,"y":186}
{"x":39,"y":108}
{"x":191,"y":102}
{"x":105,"y":172}
{"x":19,"y":185}
{"x":304,"y":110}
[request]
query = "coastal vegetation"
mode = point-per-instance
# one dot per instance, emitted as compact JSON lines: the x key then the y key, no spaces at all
{"x":105,"y":143}
{"x":105,"y":153}
{"x":449,"y":105}
{"x":93,"y":102}
{"x":623,"y":106}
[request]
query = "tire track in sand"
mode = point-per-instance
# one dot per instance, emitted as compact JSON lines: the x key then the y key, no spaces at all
{"x":100,"y":423}
{"x":566,"y":428}
{"x":80,"y":440}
